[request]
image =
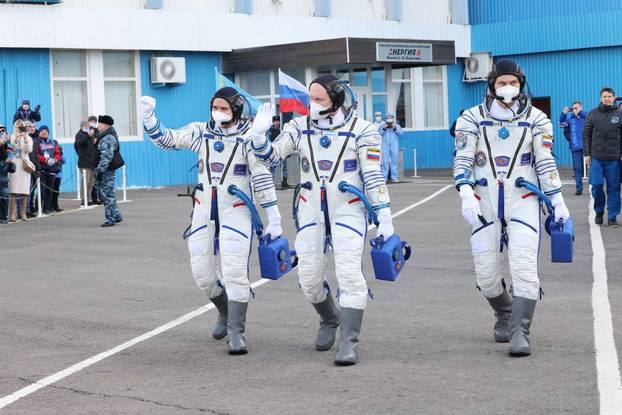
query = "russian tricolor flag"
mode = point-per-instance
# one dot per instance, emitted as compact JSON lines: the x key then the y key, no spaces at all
{"x":293,"y":95}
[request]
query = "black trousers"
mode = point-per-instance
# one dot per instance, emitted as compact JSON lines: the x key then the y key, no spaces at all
{"x":56,"y":193}
{"x":47,"y":190}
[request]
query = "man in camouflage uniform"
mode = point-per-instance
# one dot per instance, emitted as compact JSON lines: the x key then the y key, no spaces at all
{"x":108,"y":144}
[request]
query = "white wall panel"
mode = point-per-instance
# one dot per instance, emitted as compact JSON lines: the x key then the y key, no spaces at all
{"x":195,"y":29}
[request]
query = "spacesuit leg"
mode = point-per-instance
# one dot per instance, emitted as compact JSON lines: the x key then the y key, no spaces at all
{"x":524,"y":239}
{"x":485,"y":250}
{"x":349,"y":229}
{"x":309,"y":247}
{"x":235,"y":243}
{"x":204,"y":267}
{"x":311,"y":275}
{"x":202,"y":260}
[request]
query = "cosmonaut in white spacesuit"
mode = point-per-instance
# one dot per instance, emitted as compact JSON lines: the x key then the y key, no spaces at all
{"x":334,"y":145}
{"x":503,"y":138}
{"x":220,"y":236}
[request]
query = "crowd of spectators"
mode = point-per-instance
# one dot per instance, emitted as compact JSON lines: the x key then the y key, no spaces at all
{"x":28,"y":153}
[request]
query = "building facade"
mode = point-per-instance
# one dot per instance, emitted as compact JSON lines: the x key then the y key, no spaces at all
{"x":82,"y":57}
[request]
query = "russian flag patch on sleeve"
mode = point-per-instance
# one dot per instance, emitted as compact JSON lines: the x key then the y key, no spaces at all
{"x":373,"y":153}
{"x":547,"y":140}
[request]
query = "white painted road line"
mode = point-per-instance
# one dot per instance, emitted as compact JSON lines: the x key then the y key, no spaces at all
{"x":49,"y":380}
{"x":607,"y":366}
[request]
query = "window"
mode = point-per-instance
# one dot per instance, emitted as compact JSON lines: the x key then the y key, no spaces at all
{"x":378,"y":90}
{"x":256,"y":83}
{"x":419,"y":97}
{"x":359,"y":77}
{"x":94,"y":82}
{"x":433,"y":97}
{"x":70,"y":97}
{"x":120,"y":91}
{"x":402,"y":96}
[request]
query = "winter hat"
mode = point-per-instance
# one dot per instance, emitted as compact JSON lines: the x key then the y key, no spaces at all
{"x":105,"y":119}
{"x":44,"y":127}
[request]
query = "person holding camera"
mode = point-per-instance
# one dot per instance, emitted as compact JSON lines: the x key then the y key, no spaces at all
{"x":572,"y":122}
{"x":19,"y":182}
{"x":24,"y":112}
{"x":6,"y":166}
{"x":390,"y":131}
{"x":602,"y":144}
{"x":86,"y":150}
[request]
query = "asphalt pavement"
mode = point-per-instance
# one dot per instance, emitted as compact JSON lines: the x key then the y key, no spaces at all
{"x":71,"y":290}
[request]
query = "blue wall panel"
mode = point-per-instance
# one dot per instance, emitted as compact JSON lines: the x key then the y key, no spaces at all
{"x":495,"y":11}
{"x":24,"y":74}
{"x":569,"y":76}
{"x":177,"y":106}
{"x":547,"y":34}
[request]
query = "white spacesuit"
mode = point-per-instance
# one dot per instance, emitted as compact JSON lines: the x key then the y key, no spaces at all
{"x":498,"y":141}
{"x":220,"y":236}
{"x":334,"y":145}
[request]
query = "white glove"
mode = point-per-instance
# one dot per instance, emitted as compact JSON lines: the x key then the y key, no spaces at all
{"x":274,"y":223}
{"x":385,"y":223}
{"x":50,"y":161}
{"x":561,"y":211}
{"x":470,"y":205}
{"x":261,"y":124}
{"x":146,"y":106}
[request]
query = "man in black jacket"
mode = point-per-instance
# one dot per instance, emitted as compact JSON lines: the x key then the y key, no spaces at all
{"x":602,"y":146}
{"x":86,"y":150}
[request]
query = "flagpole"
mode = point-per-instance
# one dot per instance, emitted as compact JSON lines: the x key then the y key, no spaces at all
{"x":279,"y":83}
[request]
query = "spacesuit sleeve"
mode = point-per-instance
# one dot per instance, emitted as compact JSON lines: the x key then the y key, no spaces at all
{"x":189,"y":137}
{"x":467,"y":134}
{"x":263,"y":183}
{"x":272,"y":153}
{"x":546,"y":167}
{"x":368,"y":150}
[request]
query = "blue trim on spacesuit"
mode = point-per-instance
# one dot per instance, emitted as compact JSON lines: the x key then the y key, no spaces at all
{"x":235,"y":230}
{"x":343,"y":225}
{"x":523,"y":223}
{"x":308,"y":225}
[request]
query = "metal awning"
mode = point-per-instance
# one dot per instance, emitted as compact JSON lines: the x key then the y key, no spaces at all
{"x":400,"y":53}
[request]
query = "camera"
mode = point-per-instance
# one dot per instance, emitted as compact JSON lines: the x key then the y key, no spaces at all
{"x":21,"y":129}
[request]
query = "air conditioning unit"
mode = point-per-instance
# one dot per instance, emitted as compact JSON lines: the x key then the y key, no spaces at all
{"x":168,"y":70}
{"x":477,"y":67}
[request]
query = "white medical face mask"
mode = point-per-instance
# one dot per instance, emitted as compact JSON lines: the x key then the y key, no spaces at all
{"x":220,"y":118}
{"x":315,"y":110}
{"x":378,"y":119}
{"x":86,"y":130}
{"x":508,"y":93}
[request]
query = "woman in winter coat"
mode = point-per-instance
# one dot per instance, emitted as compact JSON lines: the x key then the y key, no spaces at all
{"x":19,"y":182}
